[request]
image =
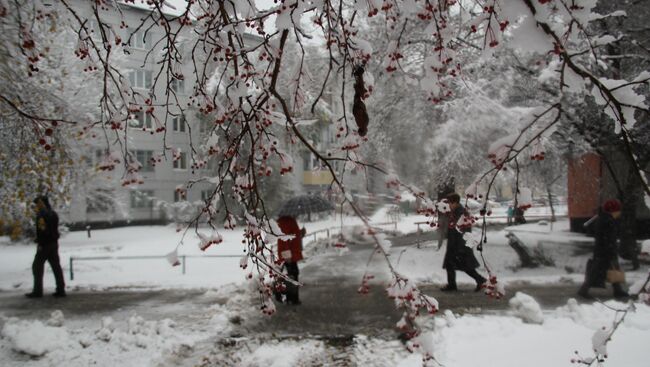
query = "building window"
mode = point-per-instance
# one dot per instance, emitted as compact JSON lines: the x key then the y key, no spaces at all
{"x":93,"y":29}
{"x":306,"y":161}
{"x":178,"y":124}
{"x":179,"y":196}
{"x":93,"y":158}
{"x":142,"y":199}
{"x":177,"y":85}
{"x":181,"y":162}
{"x":139,"y":40}
{"x":99,"y":156}
{"x":101,"y":201}
{"x":140,"y":79}
{"x":141,"y":120}
{"x":204,"y":126}
{"x":211,"y":164}
{"x":205,"y":194}
{"x":145,"y":157}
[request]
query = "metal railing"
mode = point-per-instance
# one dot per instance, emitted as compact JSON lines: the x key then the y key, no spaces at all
{"x":143,"y":257}
{"x":337,"y":229}
{"x":531,"y":216}
{"x":183,"y":258}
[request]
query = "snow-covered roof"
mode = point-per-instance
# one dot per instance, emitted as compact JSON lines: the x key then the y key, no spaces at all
{"x":169,"y":7}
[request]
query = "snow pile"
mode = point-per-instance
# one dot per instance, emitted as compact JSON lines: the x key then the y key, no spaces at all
{"x":600,"y":339}
{"x":33,"y":337}
{"x":526,"y":308}
{"x":132,"y":342}
{"x":56,"y":319}
{"x":105,"y":332}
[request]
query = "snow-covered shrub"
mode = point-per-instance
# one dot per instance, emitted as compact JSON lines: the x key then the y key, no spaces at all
{"x":526,"y":308}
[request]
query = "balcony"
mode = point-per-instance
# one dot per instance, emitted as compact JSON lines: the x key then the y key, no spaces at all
{"x":319,"y":177}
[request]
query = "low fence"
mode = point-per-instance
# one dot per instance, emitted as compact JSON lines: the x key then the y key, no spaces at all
{"x":183,"y":258}
{"x":144,"y":257}
{"x":492,"y":217}
{"x":333,"y":230}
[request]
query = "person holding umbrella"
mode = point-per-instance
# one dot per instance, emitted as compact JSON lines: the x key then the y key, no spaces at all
{"x":291,"y":252}
{"x":458,"y":256}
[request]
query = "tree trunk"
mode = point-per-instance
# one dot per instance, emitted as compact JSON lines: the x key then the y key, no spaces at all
{"x":550,"y":203}
{"x":629,"y":248}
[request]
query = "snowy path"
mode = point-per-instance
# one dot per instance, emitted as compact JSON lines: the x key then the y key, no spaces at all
{"x":220,"y":325}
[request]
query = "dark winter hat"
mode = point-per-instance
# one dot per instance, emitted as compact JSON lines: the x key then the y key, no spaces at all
{"x":44,"y":200}
{"x":612,"y":205}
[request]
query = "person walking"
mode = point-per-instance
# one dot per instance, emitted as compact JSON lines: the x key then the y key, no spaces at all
{"x":519,"y":216}
{"x":458,"y":256}
{"x":47,"y":239}
{"x":511,"y":214}
{"x":605,"y":256}
{"x":291,"y":252}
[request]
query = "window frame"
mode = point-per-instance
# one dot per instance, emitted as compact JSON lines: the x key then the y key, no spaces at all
{"x":181,"y":163}
{"x":141,"y":79}
{"x":177,"y":85}
{"x":145,"y":156}
{"x":141,"y":202}
{"x":138,"y":40}
{"x":145,"y":120}
{"x":178,"y":123}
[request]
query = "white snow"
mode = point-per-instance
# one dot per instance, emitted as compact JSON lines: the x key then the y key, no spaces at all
{"x":526,"y":308}
{"x":33,"y":337}
{"x":526,"y":335}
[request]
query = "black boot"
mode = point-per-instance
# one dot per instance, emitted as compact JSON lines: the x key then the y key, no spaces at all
{"x":619,"y":293}
{"x":583,"y":292}
{"x":451,"y":282}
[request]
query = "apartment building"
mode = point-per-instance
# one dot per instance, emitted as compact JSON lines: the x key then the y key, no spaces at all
{"x":102,"y":201}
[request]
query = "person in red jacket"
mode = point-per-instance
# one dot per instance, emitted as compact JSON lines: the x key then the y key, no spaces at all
{"x":291,"y":252}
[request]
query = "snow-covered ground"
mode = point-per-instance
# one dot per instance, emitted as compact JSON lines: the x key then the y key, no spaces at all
{"x":526,"y":335}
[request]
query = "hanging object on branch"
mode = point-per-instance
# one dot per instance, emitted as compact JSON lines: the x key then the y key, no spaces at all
{"x":358,"y":107}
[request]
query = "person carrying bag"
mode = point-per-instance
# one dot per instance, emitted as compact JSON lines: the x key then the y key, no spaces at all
{"x":603,"y":266}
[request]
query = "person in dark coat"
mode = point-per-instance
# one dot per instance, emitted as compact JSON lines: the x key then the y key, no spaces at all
{"x":519,"y":216}
{"x":47,"y":239}
{"x":291,"y":252}
{"x":605,"y":257}
{"x":458,"y":256}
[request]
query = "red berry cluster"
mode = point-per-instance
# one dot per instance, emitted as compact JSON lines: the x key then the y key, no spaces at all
{"x":537,"y":157}
{"x":156,"y":159}
{"x":491,"y":288}
{"x":394,"y":58}
{"x":483,"y":212}
{"x":365,"y":287}
{"x":109,"y":163}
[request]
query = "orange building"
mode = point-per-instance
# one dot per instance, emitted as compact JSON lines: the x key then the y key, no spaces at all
{"x":590,"y":182}
{"x":584,"y":181}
